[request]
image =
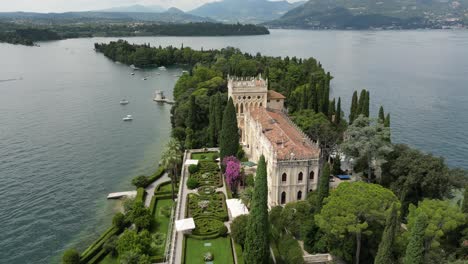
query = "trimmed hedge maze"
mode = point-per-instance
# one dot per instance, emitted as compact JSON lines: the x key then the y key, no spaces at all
{"x":208,"y":174}
{"x":213,"y":206}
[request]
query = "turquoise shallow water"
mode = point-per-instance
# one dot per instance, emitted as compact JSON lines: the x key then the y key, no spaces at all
{"x":63,"y":145}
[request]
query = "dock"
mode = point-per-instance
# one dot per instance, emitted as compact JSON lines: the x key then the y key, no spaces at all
{"x":160,"y":98}
{"x":118,"y":195}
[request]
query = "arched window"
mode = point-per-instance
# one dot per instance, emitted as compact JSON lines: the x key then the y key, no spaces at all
{"x":261,"y":104}
{"x":310,"y":190}
{"x":284,"y":177}
{"x":242,"y":108}
{"x":237,"y":108}
{"x":300,"y":176}
{"x":311,"y":175}
{"x":299,"y":195}
{"x":283,"y":197}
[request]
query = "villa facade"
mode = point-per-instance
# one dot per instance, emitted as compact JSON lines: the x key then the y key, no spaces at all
{"x":265,"y":129}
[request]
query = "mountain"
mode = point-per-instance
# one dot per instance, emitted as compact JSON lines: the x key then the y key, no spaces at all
{"x":173,"y":15}
{"x":135,"y":9}
{"x":362,"y":14}
{"x":245,"y":11}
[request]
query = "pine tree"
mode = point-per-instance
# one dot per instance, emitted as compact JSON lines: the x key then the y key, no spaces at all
{"x":338,"y":112}
{"x":229,"y":139}
{"x":415,"y":248}
{"x":387,"y":121}
{"x":323,"y":188}
{"x":353,"y":113}
{"x":257,"y":245}
{"x":381,"y":115}
{"x":385,"y":251}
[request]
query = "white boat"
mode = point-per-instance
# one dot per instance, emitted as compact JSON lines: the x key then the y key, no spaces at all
{"x":128,"y":118}
{"x":124,"y":102}
{"x":144,"y":79}
{"x":132,"y":73}
{"x":184,"y":72}
{"x":162,"y":68}
{"x":158,"y":73}
{"x":134,"y":67}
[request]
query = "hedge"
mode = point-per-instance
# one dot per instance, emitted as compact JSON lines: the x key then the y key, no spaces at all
{"x":140,"y":195}
{"x":155,"y":198}
{"x":157,"y":259}
{"x":98,"y":257}
{"x":96,"y":247}
{"x":162,"y":184}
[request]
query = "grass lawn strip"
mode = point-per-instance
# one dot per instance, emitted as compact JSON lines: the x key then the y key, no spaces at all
{"x":220,"y":248}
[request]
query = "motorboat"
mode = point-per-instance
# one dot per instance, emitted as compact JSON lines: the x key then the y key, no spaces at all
{"x":144,"y":79}
{"x":132,"y":73}
{"x":128,"y":118}
{"x":124,"y":102}
{"x":162,"y":68}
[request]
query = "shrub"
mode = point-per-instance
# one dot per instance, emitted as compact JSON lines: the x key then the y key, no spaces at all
{"x":193,"y":168}
{"x":192,"y":183}
{"x":239,"y":229}
{"x":215,"y":156}
{"x":223,"y":230}
{"x":140,"y":181}
{"x":159,"y":239}
{"x":71,"y":256}
{"x":140,"y":216}
{"x":119,"y":221}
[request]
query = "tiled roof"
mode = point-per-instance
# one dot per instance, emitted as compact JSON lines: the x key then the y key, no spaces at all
{"x":275,"y":95}
{"x":285,"y":138}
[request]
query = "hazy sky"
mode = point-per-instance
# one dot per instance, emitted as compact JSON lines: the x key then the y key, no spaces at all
{"x":83,"y":5}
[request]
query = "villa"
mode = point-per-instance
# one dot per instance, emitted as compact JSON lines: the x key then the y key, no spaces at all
{"x":265,"y":129}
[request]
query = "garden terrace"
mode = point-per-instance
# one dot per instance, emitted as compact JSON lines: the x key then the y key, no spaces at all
{"x":212,"y":205}
{"x":208,"y":174}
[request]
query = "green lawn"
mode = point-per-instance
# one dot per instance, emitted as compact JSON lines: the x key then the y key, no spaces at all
{"x":240,"y":256}
{"x":109,"y":260}
{"x":166,"y":188}
{"x":220,"y":248}
{"x":204,"y":156}
{"x":162,"y":223}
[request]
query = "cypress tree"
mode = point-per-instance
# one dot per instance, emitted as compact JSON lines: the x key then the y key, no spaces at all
{"x":381,"y":115}
{"x":319,"y":97}
{"x":188,"y":138}
{"x":465,"y":201}
{"x":326,"y":97}
{"x":323,"y":188}
{"x":336,"y":169}
{"x":415,"y":248}
{"x":353,"y":113}
{"x":331,"y":109}
{"x":387,"y":120}
{"x":338,"y":112}
{"x":212,"y":123}
{"x":257,"y":244}
{"x":366,"y":105}
{"x":191,"y":116}
{"x":315,"y":98}
{"x":218,"y":109}
{"x":361,"y":103}
{"x":229,"y":138}
{"x":385,"y":251}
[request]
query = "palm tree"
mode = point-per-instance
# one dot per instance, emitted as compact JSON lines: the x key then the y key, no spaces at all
{"x":170,"y":160}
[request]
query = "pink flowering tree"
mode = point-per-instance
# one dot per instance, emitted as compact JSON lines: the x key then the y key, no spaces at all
{"x":233,"y":172}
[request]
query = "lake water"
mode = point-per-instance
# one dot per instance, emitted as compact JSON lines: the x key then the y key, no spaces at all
{"x":64,"y":147}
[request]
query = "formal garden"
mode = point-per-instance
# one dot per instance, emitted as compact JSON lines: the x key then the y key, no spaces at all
{"x":209,"y":241}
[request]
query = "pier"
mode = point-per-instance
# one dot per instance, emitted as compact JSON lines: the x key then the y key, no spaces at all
{"x":118,"y":195}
